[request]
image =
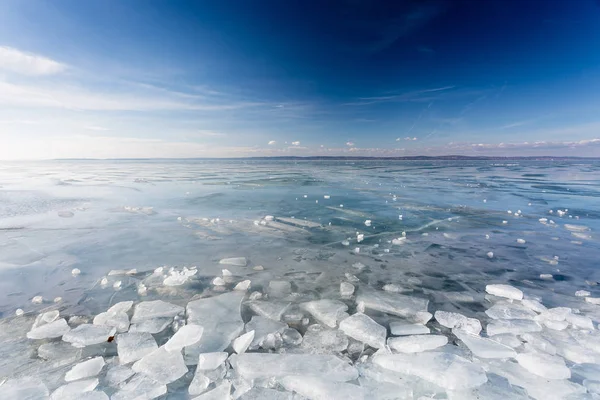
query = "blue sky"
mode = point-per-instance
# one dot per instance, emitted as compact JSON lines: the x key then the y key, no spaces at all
{"x":229,"y":78}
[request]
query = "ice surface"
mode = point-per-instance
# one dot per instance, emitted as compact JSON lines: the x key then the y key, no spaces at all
{"x":442,"y":369}
{"x":268,"y":309}
{"x":236,"y":261}
{"x":199,"y":383}
{"x":241,"y":344}
{"x":154,"y":309}
{"x":580,"y":321}
{"x":593,"y":300}
{"x":416,"y":343}
{"x":259,"y":393}
{"x":534,"y":305}
{"x":279,"y":289}
{"x":508,"y":339}
{"x":403,"y":329}
{"x":262,"y":327}
{"x":209,"y":361}
{"x":27,"y":388}
{"x":364,"y":329}
{"x":501,"y":290}
{"x":161,"y":366}
{"x":187,"y":335}
{"x":291,"y":337}
{"x":85,"y":369}
{"x":316,"y":388}
{"x":515,"y":326}
{"x":320,"y":340}
{"x":155,"y":325}
{"x":327,"y":312}
{"x":484,"y":347}
{"x":59,"y":353}
{"x":503,"y":310}
{"x":118,"y":374}
{"x":265,"y":366}
{"x":132,"y":346}
{"x":140,"y":387}
{"x":87,"y":334}
{"x":74,"y":388}
{"x":118,"y":320}
{"x":346,"y":289}
{"x":93,"y":395}
{"x":54,"y":329}
{"x":45,"y":318}
{"x":582,"y":293}
{"x":221,"y":392}
{"x":392,"y":303}
{"x":454,"y":320}
{"x":544,"y":365}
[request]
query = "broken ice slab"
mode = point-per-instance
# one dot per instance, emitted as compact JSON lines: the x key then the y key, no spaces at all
{"x":85,"y":369}
{"x":346,"y":289}
{"x":140,"y":387}
{"x":241,"y":344}
{"x":507,"y":291}
{"x":209,"y":361}
{"x":132,"y":346}
{"x":392,"y":303}
{"x":484,"y":347}
{"x":93,"y":395}
{"x":544,"y":365}
{"x":502,"y":310}
{"x":399,"y":328}
{"x":534,"y":305}
{"x":118,"y":320}
{"x":162,"y":366}
{"x":221,"y":319}
{"x":236,"y":261}
{"x":514,"y":326}
{"x":265,"y":366}
{"x":74,"y":388}
{"x":45,"y":318}
{"x":87,"y":334}
{"x":454,"y":320}
{"x":154,"y":309}
{"x":199,"y":383}
{"x":243,"y":286}
{"x":580,"y":321}
{"x":54,"y":329}
{"x":187,"y":335}
{"x":59,"y":353}
{"x":263,"y":327}
{"x":326,"y":311}
{"x":587,"y":370}
{"x":446,"y":370}
{"x":364,"y":329}
{"x":24,"y":388}
{"x":416,"y":343}
{"x":155,"y":325}
{"x":118,"y":374}
{"x":221,"y":392}
{"x":279,"y":289}
{"x":497,"y":388}
{"x":314,"y":388}
{"x":259,"y":393}
{"x":269,"y":309}
{"x":320,"y":340}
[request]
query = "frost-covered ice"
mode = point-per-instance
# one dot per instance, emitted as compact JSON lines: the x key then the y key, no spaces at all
{"x":132,"y":346}
{"x":85,"y":369}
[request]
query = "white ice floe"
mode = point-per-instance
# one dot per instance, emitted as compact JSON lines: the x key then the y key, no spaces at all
{"x":392,"y":303}
{"x":140,"y":387}
{"x":580,"y":321}
{"x":398,"y":328}
{"x":454,"y":320}
{"x":521,"y":241}
{"x":548,"y":277}
{"x":50,"y":330}
{"x":399,"y":241}
{"x":484,"y":347}
{"x":37,"y":300}
{"x":153,"y":326}
{"x":534,"y":305}
{"x":263,"y":328}
{"x":490,"y":254}
{"x":116,"y":316}
{"x":363,"y":328}
{"x":269,"y":309}
{"x":278,"y":289}
{"x":360,"y":237}
{"x":241,"y":344}
{"x":221,"y":392}
{"x":85,"y":369}
{"x":87,"y":334}
{"x":326,"y":311}
{"x":501,"y":290}
{"x":75,"y":271}
{"x":154,"y":309}
{"x":24,"y":388}
{"x":505,"y":310}
{"x":368,"y":222}
{"x":132,"y":346}
{"x":218,"y":281}
{"x":178,"y":278}
{"x":593,"y":300}
{"x":346,"y":289}
{"x":235,"y":261}
{"x":161,"y":365}
{"x":19,"y":312}
{"x":311,"y":387}
{"x":582,"y":293}
{"x":243,"y":286}
{"x":514,"y":326}
{"x":544,"y":365}
{"x":75,"y":390}
{"x":416,"y":343}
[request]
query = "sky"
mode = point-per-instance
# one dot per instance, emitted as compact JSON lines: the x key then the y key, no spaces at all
{"x":231,"y":78}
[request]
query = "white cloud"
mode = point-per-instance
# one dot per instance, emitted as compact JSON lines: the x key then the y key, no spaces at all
{"x":207,"y":133}
{"x":349,"y":144}
{"x":19,"y":62}
{"x":296,"y":143}
{"x":271,"y":142}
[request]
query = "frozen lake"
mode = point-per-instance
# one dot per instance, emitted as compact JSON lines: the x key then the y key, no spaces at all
{"x":435,"y":231}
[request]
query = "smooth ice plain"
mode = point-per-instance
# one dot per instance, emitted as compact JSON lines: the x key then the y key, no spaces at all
{"x":205,"y":279}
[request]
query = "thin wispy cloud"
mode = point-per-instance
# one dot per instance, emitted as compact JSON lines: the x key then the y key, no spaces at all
{"x":423,"y":95}
{"x":96,"y":128}
{"x":271,"y":142}
{"x":297,"y":143}
{"x":23,"y":63}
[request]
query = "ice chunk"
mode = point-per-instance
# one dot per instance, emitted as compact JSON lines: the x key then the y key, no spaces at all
{"x":554,"y":314}
{"x":265,"y":366}
{"x":508,"y":339}
{"x":236,"y":261}
{"x":582,"y":293}
{"x":416,"y":343}
{"x":316,"y":388}
{"x":45,"y":318}
{"x":259,"y":393}
{"x":483,"y":347}
{"x":243,"y":285}
{"x":278,"y":289}
{"x":593,"y":300}
{"x":346,"y":289}
{"x":199,"y":383}
{"x":59,"y":353}
{"x":118,"y":374}
{"x":132,"y":346}
{"x":155,"y":325}
{"x":534,"y":305}
{"x":27,"y":388}
{"x":291,"y":337}
{"x":161,"y":365}
{"x":140,"y":387}
{"x":364,"y":329}
{"x":580,"y":321}
{"x":490,"y":254}
{"x":85,"y":369}
{"x":454,"y":320}
{"x":326,"y":311}
{"x":496,"y":388}
{"x":446,"y":370}
{"x":514,"y":326}
{"x":210,"y":361}
{"x":118,"y":320}
{"x":154,"y":309}
{"x":220,"y":317}
{"x":555,"y":325}
{"x":546,"y":276}
{"x":538,"y":343}
{"x":586,"y":370}
{"x":503,"y":310}
{"x":544,"y":365}
{"x":392,"y":303}
{"x":241,"y":344}
{"x":37,"y":300}
{"x":187,"y":335}
{"x":48,"y":331}
{"x":521,"y":241}
{"x":320,"y":340}
{"x":500,"y":290}
{"x":87,"y":334}
{"x":73,"y":389}
{"x":590,"y":340}
{"x":19,"y":312}
{"x":218,"y":281}
{"x":268,"y":309}
{"x":221,"y":392}
{"x":421,"y":317}
{"x":75,"y":271}
{"x":403,"y":329}
{"x":262,"y":327}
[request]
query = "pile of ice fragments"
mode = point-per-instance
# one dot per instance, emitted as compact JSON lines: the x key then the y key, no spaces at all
{"x":282,"y":343}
